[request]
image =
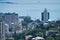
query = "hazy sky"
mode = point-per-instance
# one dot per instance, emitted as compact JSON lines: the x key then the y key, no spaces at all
{"x":31,"y":8}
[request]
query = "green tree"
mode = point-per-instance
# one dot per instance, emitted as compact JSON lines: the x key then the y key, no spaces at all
{"x":49,"y":38}
{"x":40,"y":34}
{"x":37,"y":20}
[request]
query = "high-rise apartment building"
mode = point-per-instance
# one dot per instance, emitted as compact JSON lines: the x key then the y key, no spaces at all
{"x":8,"y":23}
{"x":10,"y":20}
{"x":2,"y":29}
{"x":45,"y":16}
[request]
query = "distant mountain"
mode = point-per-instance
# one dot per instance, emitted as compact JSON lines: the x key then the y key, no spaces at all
{"x":7,"y":3}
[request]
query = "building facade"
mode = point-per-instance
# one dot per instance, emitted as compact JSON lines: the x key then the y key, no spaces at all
{"x":2,"y":29}
{"x":11,"y":19}
{"x":8,"y":24}
{"x":45,"y":16}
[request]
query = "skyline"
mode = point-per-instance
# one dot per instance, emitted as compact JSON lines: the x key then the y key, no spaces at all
{"x":32,"y":8}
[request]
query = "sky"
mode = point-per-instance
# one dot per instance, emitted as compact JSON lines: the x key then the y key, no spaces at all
{"x":32,"y":8}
